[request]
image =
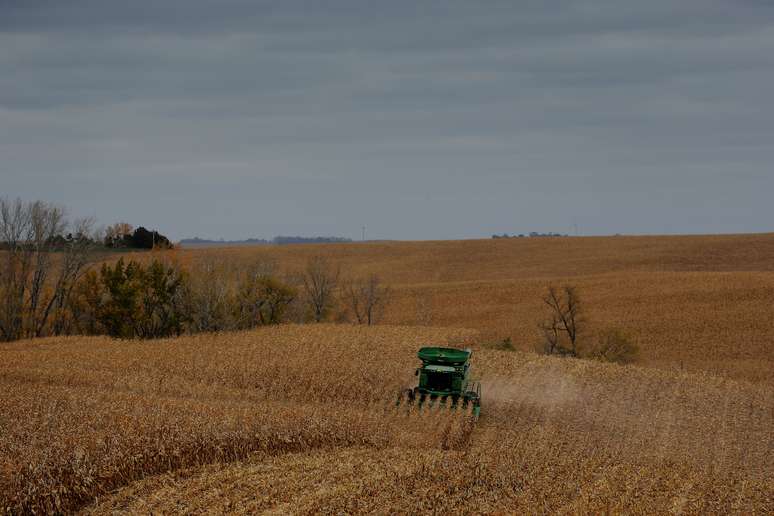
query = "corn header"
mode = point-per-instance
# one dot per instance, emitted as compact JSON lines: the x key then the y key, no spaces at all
{"x":444,"y":378}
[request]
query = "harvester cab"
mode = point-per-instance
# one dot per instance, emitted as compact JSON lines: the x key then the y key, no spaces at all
{"x":445,"y":377}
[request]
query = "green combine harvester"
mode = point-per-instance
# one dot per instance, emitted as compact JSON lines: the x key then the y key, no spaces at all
{"x":444,"y":378}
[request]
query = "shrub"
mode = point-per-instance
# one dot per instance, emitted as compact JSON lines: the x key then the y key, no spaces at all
{"x":261,"y":298}
{"x":614,"y":346}
{"x":506,"y":344}
{"x":162,"y":313}
{"x":86,"y":297}
{"x":129,"y":300}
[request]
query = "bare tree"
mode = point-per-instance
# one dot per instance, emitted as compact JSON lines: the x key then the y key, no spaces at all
{"x":208,"y":296}
{"x":550,"y":331}
{"x":562,"y":326}
{"x":367,"y":298}
{"x":76,"y":253}
{"x":40,"y":265}
{"x":319,"y":281}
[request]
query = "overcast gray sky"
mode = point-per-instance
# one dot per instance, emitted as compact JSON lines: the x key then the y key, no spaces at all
{"x":419,"y":120}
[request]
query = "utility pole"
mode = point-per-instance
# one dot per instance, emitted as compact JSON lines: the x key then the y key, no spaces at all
{"x":363,"y":233}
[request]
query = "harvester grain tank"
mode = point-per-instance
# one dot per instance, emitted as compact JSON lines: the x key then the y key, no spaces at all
{"x":444,"y":377}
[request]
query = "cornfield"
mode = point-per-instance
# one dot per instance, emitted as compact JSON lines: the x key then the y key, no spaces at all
{"x":692,"y":303}
{"x":302,"y":419}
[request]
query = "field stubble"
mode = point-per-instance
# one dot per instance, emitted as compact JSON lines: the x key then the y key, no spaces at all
{"x":693,"y":303}
{"x":301,"y":419}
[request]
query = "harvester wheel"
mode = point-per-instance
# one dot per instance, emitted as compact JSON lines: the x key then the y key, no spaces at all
{"x":406,"y":396}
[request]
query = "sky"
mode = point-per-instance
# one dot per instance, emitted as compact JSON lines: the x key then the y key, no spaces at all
{"x":416,"y":119}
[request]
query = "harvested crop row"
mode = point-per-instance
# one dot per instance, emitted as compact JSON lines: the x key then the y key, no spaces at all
{"x":80,"y":418}
{"x":397,"y":480}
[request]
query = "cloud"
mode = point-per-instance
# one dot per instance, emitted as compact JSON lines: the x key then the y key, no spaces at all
{"x":420,"y":119}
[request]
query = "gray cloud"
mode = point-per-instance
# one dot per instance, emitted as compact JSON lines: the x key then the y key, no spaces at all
{"x":417,"y":119}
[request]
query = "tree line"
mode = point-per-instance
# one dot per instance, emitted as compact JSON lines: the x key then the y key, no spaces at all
{"x":123,"y":236}
{"x":161,"y":299}
{"x":50,"y":284}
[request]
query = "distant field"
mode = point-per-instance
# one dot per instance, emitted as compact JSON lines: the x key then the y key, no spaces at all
{"x":301,"y":419}
{"x":695,"y":303}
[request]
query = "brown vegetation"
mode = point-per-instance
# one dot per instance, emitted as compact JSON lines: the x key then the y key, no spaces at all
{"x":301,"y":419}
{"x":695,"y":303}
{"x":692,"y":303}
{"x":39,"y":267}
